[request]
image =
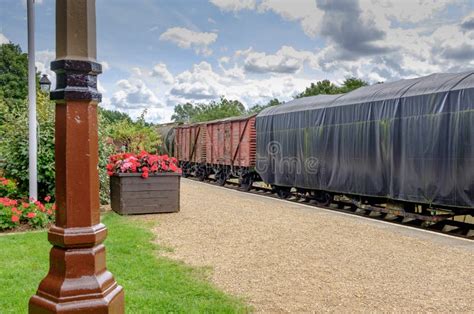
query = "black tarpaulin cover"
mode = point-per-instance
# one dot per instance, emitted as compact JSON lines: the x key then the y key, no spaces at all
{"x":410,"y":140}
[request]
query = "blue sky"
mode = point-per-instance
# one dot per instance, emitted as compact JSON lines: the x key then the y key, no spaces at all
{"x":157,"y":54}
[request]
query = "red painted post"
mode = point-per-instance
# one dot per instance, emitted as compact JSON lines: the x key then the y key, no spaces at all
{"x":78,"y":280}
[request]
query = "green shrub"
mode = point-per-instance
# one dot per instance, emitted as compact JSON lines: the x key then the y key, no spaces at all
{"x":8,"y":188}
{"x":134,"y":137}
{"x":14,"y":147}
{"x":14,"y":144}
{"x":13,"y":213}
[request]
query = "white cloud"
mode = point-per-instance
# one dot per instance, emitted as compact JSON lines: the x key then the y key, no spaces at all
{"x":234,"y":5}
{"x":405,"y":11}
{"x":285,"y":60}
{"x":134,"y":93}
{"x":202,"y":84}
{"x":105,"y":66}
{"x":160,"y":70}
{"x":186,"y":38}
{"x":468,"y":22}
{"x":3,"y":39}
{"x":304,"y":11}
{"x":197,"y":84}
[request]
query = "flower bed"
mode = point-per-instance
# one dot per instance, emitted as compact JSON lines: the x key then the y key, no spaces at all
{"x":131,"y":194}
{"x":20,"y":214}
{"x":143,"y":163}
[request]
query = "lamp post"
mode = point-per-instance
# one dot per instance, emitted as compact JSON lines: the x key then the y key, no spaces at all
{"x":32,"y":140}
{"x":45,"y":84}
{"x":78,"y":280}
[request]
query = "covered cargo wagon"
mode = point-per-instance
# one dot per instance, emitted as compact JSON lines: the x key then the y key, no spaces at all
{"x":409,"y":141}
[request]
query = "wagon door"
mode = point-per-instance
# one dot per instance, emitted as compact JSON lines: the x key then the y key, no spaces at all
{"x":227,"y":154}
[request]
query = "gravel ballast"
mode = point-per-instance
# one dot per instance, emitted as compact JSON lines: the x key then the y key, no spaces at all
{"x":285,"y":257}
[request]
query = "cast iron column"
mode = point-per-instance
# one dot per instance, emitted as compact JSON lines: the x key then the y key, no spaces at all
{"x":78,"y":280}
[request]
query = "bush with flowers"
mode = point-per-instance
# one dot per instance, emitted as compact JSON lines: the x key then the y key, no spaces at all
{"x":143,"y":163}
{"x":15,"y":213}
{"x":35,"y":214}
{"x":8,"y":188}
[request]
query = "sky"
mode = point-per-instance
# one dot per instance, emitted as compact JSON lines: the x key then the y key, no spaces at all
{"x":159,"y":53}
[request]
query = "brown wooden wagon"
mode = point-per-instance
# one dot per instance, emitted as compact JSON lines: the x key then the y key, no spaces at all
{"x":224,"y":148}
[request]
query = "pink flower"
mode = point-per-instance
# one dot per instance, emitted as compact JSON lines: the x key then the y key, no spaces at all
{"x":15,"y":218}
{"x":31,"y":215}
{"x":47,"y":198}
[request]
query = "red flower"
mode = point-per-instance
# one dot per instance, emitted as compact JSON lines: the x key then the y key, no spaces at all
{"x":154,"y":168}
{"x":15,"y":218}
{"x":31,"y":215}
{"x":145,"y":169}
{"x":110,"y":173}
{"x":25,"y":205}
{"x":110,"y":167}
{"x":49,"y":212}
{"x":173,"y":167}
{"x":164,"y":166}
{"x":145,"y":175}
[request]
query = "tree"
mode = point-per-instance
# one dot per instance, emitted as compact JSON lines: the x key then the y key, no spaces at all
{"x":326,"y":87}
{"x":113,"y":116}
{"x":221,"y":109}
{"x":13,"y":72}
{"x":184,"y":113}
{"x":352,"y":83}
{"x":257,"y":108}
{"x":321,"y":87}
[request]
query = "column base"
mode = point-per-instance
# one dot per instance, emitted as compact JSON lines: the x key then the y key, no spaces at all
{"x":78,"y":280}
{"x":113,"y":302}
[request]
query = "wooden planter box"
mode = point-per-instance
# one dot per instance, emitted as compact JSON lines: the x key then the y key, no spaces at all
{"x":131,"y":194}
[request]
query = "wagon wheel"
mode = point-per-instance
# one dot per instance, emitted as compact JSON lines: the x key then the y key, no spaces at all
{"x":221,"y":178}
{"x":283,"y":192}
{"x":202,"y":174}
{"x":323,"y":198}
{"x":246,"y":183}
{"x":185,"y":173}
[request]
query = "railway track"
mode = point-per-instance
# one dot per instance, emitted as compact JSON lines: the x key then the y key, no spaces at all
{"x":448,"y":227}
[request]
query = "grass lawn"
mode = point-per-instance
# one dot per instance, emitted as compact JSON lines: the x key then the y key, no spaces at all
{"x":152,"y":284}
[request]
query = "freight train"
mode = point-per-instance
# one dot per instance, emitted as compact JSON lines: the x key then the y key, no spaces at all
{"x":404,"y":147}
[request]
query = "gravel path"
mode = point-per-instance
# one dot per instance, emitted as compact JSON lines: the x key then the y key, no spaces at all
{"x":284,"y":257}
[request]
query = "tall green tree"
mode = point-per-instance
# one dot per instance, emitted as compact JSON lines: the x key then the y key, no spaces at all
{"x":13,"y":72}
{"x":352,"y":83}
{"x":184,"y":113}
{"x":113,"y":116}
{"x":329,"y":88}
{"x":221,"y":109}
{"x":257,"y":108}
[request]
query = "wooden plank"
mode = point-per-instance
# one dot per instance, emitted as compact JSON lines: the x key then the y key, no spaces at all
{"x":149,"y":187}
